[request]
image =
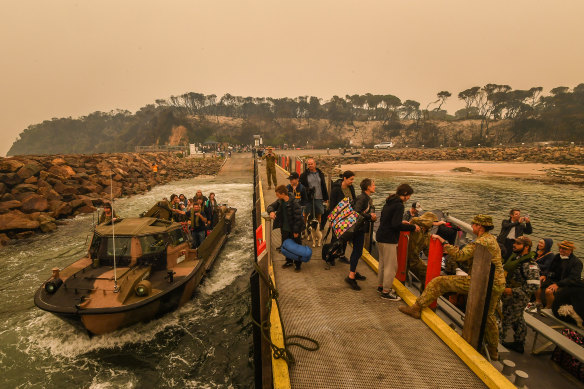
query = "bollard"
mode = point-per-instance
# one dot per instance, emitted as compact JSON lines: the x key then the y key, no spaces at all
{"x":508,"y":367}
{"x":268,"y":242}
{"x":402,"y":256}
{"x":521,"y":378}
{"x":434,"y":263}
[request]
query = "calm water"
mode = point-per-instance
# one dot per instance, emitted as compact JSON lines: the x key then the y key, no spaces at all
{"x":556,"y":211}
{"x":206,"y":343}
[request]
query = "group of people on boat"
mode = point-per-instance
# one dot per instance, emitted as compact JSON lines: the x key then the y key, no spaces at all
{"x":523,"y":273}
{"x":198,"y":214}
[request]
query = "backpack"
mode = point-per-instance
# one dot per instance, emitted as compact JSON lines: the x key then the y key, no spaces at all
{"x":344,"y":220}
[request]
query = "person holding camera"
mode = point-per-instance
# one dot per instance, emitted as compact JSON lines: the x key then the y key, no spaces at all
{"x":512,"y":228}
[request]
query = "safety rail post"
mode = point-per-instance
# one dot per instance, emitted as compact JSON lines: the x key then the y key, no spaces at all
{"x":402,"y":256}
{"x":268,"y":236}
{"x":478,"y":297}
{"x":434,"y":263}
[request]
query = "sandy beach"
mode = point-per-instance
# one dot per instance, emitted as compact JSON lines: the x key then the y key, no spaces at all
{"x":478,"y":168}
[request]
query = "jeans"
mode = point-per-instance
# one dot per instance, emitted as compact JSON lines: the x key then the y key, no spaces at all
{"x":358,"y":242}
{"x":198,"y":238}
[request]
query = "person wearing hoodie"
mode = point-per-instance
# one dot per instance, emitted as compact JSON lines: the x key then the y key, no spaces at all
{"x":363,"y":206}
{"x":522,"y":280}
{"x":341,"y":188}
{"x":390,"y":225}
{"x":544,"y":255}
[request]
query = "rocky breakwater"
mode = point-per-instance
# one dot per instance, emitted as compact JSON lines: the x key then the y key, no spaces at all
{"x":37,"y":191}
{"x":569,"y":155}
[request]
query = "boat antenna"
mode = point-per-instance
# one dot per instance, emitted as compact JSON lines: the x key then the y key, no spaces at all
{"x":116,"y":289}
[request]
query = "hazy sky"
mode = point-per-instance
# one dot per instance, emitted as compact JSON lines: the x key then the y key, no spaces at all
{"x":70,"y":58}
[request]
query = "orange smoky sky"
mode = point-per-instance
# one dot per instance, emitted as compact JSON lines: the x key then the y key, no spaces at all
{"x":70,"y":58}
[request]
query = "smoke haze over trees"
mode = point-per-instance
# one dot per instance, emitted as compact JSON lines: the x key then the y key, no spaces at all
{"x":529,"y":115}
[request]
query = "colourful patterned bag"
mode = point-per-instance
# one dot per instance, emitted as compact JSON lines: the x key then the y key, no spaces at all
{"x":343,"y":219}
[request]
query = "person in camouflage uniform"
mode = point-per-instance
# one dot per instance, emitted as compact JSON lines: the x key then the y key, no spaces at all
{"x":481,"y":225}
{"x":271,"y":158}
{"x":420,"y":241}
{"x":522,"y":277}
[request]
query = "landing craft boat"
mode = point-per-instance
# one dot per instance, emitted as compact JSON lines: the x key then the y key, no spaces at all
{"x":135,"y":270}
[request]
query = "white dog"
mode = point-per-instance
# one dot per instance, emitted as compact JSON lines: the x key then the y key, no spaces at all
{"x":314,"y":232}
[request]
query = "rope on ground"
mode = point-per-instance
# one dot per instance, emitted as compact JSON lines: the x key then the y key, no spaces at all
{"x":264,"y":326}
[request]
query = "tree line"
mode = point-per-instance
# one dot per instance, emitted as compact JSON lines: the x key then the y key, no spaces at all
{"x":558,"y":115}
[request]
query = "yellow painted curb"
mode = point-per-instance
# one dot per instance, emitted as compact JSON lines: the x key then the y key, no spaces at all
{"x":280,"y":372}
{"x":471,"y":357}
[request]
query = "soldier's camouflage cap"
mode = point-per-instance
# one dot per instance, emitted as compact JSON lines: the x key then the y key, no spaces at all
{"x":426,"y":220}
{"x":483,"y":220}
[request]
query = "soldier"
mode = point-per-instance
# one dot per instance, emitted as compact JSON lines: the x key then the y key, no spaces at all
{"x":420,"y":241}
{"x":270,"y":158}
{"x":481,"y":225}
{"x":522,"y":276}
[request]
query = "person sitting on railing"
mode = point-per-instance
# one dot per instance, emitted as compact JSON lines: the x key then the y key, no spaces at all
{"x":481,"y":225}
{"x":420,"y":242}
{"x":414,"y":211}
{"x":198,"y":225}
{"x":107,"y":215}
{"x":522,"y":275}
{"x":565,"y":270}
{"x":341,"y":188}
{"x":287,"y":216}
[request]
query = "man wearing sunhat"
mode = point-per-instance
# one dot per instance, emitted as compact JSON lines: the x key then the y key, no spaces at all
{"x":522,"y":276}
{"x":270,"y":158}
{"x":565,"y":270}
{"x":481,"y":225}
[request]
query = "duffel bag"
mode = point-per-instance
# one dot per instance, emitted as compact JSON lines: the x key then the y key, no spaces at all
{"x":295,"y":251}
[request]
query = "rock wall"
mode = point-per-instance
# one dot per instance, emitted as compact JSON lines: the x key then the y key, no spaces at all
{"x":36,"y":191}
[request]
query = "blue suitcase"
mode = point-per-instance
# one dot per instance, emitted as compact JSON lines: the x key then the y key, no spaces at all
{"x":295,"y":251}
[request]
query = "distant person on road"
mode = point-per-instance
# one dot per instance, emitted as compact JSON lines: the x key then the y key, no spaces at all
{"x":414,"y":211}
{"x":363,"y":206}
{"x":481,"y":225}
{"x":522,"y":280}
{"x":287,"y":216}
{"x":107,"y":215}
{"x":340,"y":189}
{"x":154,"y":168}
{"x":313,"y":179}
{"x":512,"y":228}
{"x":387,"y":237}
{"x":271,"y":159}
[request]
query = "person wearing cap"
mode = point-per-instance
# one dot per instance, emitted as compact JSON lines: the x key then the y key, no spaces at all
{"x":107,"y":215}
{"x":414,"y":211}
{"x":296,"y":190}
{"x":565,"y":270}
{"x":522,"y":280}
{"x":420,"y":241}
{"x":271,"y":159}
{"x":511,"y":228}
{"x":481,"y":225}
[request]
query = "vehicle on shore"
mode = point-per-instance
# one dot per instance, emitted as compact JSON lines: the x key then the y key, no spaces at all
{"x":135,"y":270}
{"x":384,"y":145}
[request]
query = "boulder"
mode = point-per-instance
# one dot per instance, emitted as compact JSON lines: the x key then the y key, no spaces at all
{"x":4,"y":239}
{"x":63,"y":189}
{"x":62,"y":210}
{"x":3,"y":188}
{"x":24,"y":234}
{"x":9,"y":165}
{"x":23,"y":188}
{"x":31,"y":180}
{"x":34,"y":203}
{"x":29,"y":170}
{"x":7,"y":197}
{"x":48,"y":193}
{"x":10,"y":179}
{"x":48,"y":227}
{"x":16,"y":220}
{"x":63,"y":171}
{"x":58,"y":161}
{"x":86,"y":209}
{"x":6,"y":206}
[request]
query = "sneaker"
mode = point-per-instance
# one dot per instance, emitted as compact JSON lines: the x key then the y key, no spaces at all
{"x":287,"y":264}
{"x":380,"y":289}
{"x":297,"y":270}
{"x":391,"y":296}
{"x":344,"y":260}
{"x":360,"y":277}
{"x":352,"y":283}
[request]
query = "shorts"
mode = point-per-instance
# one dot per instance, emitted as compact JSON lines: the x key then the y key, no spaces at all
{"x":318,"y":205}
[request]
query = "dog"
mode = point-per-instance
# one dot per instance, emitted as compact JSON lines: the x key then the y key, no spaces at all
{"x":315,"y":233}
{"x":569,"y":305}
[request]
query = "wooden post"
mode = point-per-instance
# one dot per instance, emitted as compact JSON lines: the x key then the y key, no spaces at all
{"x":477,"y":294}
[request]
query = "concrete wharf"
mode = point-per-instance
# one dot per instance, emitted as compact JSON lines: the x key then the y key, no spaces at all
{"x":365,"y":342}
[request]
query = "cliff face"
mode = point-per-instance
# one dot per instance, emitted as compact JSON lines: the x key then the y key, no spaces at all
{"x":35,"y":191}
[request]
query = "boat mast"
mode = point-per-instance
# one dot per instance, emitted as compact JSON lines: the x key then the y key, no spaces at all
{"x":116,"y":289}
